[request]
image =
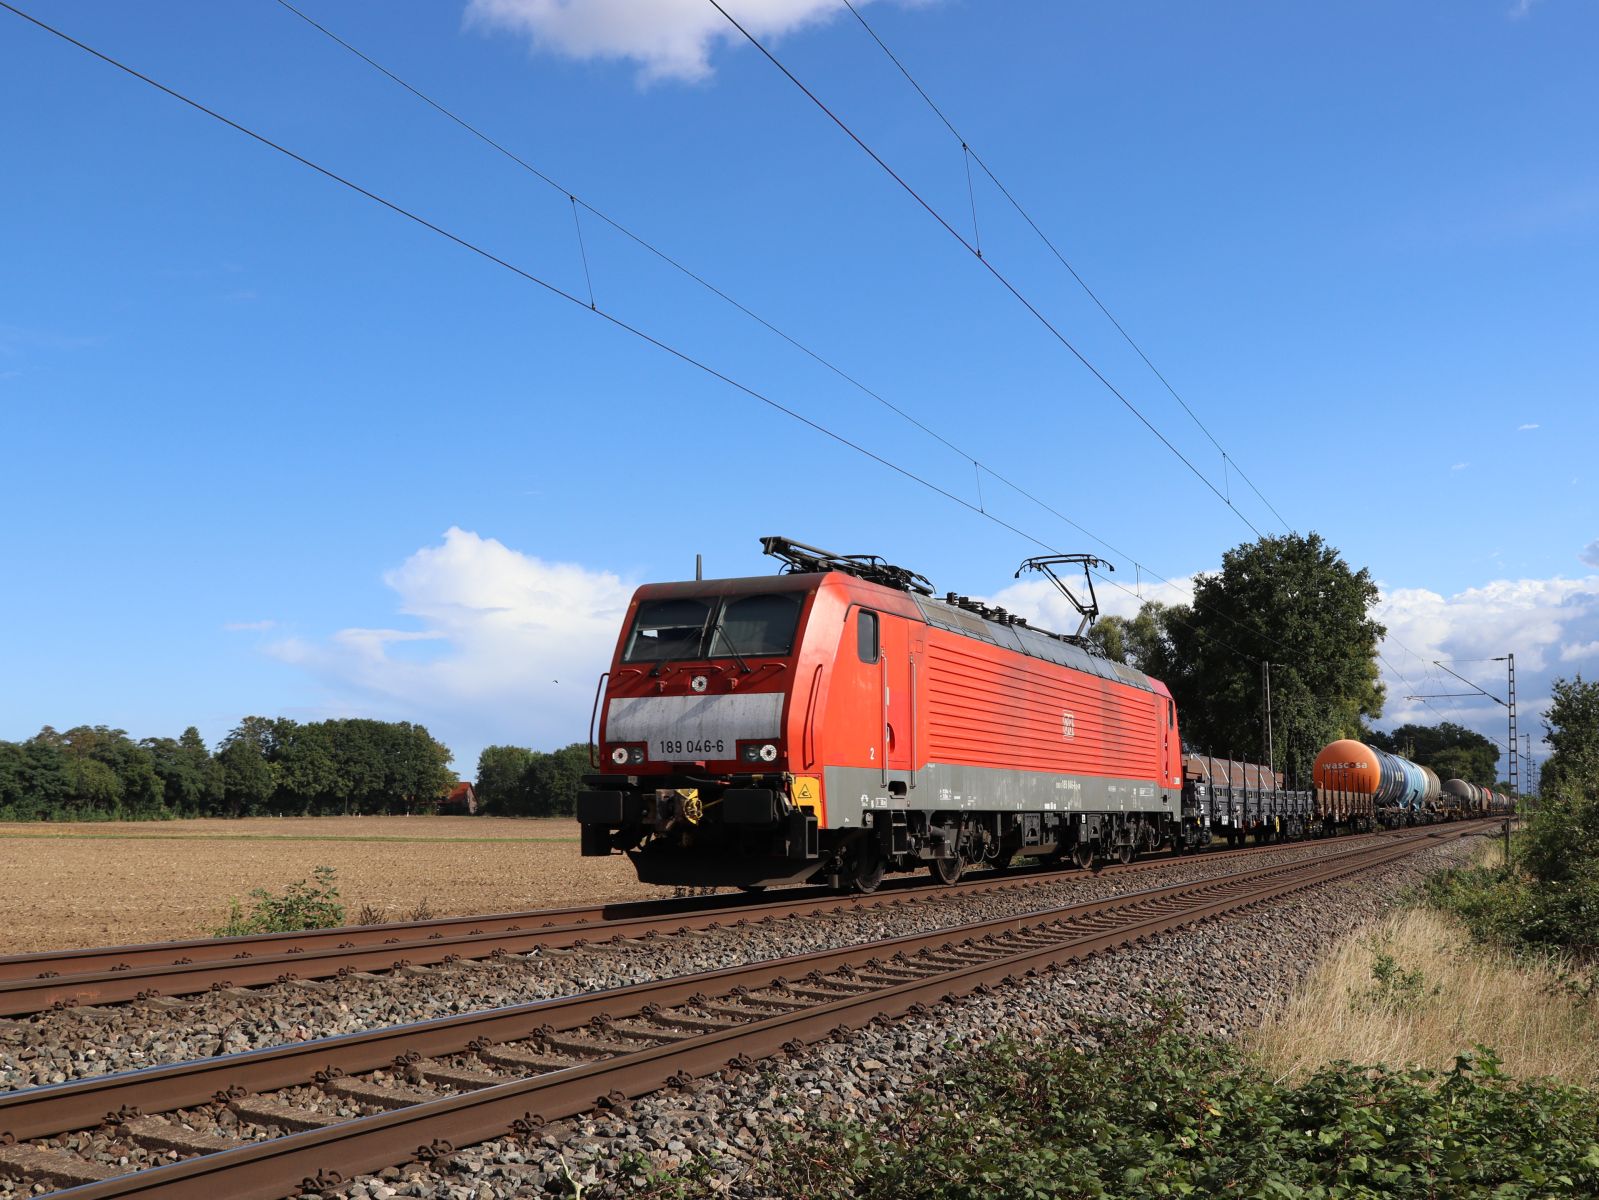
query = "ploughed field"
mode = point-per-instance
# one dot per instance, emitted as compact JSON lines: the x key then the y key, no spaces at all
{"x":144,"y":881}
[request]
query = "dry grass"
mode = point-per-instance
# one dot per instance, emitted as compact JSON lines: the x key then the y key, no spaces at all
{"x":1437,"y":996}
{"x":89,"y":885}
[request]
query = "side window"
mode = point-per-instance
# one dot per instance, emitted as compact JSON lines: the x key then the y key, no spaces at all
{"x":866,"y":635}
{"x":1171,"y":715}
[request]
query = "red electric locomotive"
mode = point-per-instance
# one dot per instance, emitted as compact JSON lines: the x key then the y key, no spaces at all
{"x":838,"y":721}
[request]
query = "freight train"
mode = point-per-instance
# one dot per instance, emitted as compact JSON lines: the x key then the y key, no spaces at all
{"x":838,"y":721}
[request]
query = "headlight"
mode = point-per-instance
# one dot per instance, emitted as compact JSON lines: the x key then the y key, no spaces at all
{"x":627,"y":755}
{"x":757,"y":752}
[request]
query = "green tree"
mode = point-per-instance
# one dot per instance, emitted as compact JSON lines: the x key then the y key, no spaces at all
{"x":191,"y":780}
{"x":247,"y":778}
{"x":1144,"y":641}
{"x":305,"y":768}
{"x":552,"y":781}
{"x":1291,"y":601}
{"x":499,"y":779}
{"x":1562,"y":839}
{"x":1571,"y":729}
{"x":34,"y":783}
{"x":110,"y":776}
{"x":194,"y":750}
{"x":422,"y":763}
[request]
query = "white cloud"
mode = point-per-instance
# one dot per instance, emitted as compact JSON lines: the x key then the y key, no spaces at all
{"x":1590,"y":553}
{"x":249,"y":626}
{"x":669,"y":39}
{"x":1524,"y":428}
{"x":508,"y":647}
{"x":1521,"y":9}
{"x":1551,"y":625}
{"x":1460,"y":466}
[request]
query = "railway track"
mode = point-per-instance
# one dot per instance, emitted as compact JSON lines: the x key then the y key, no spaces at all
{"x":270,"y":1123}
{"x":31,"y":983}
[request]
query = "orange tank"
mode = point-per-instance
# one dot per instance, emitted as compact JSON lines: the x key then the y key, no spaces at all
{"x":1348,"y":766}
{"x":1347,"y":775}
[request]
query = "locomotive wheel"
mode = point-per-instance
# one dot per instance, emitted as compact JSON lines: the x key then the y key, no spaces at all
{"x":869,"y":874}
{"x":1083,"y":855}
{"x":947,"y":870}
{"x":1125,"y":853}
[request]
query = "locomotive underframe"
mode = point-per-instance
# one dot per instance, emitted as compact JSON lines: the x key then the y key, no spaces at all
{"x":746,"y":831}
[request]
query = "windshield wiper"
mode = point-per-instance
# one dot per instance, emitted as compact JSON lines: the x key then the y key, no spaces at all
{"x":719,"y":628}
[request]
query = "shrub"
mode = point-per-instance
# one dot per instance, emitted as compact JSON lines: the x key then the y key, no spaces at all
{"x":309,"y":904}
{"x":1519,"y":910}
{"x":1156,"y":1112}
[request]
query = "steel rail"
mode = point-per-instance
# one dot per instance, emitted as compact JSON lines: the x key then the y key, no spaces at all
{"x":81,"y":1103}
{"x":31,"y":983}
{"x":270,"y":1169}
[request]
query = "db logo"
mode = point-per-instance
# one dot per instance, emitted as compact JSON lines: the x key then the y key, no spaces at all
{"x":1068,"y":726}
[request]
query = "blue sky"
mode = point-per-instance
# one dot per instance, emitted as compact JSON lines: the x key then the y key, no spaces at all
{"x":271,"y":448}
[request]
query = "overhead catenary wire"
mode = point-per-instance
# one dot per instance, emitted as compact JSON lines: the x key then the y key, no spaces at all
{"x":553,"y":289}
{"x":688,"y":272}
{"x":614,"y":320}
{"x":987,"y":264}
{"x":971,"y":155}
{"x":979,"y":468}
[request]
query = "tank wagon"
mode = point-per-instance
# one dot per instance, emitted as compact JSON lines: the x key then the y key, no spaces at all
{"x":1467,"y":799}
{"x":1473,"y":800}
{"x":1364,"y":786}
{"x":838,"y":721}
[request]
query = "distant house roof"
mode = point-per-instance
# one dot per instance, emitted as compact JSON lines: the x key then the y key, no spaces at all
{"x":462,"y":791}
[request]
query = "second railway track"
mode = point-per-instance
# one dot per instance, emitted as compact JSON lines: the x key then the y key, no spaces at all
{"x":434,"y":1086}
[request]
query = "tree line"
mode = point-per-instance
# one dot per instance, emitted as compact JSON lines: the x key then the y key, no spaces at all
{"x":264,"y":766}
{"x":1292,"y":608}
{"x":513,"y":781}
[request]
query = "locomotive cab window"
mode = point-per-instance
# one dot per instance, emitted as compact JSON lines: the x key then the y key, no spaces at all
{"x":866,"y":636}
{"x":1171,"y":715}
{"x":757,"y":626}
{"x":693,"y":627}
{"x":667,"y":629}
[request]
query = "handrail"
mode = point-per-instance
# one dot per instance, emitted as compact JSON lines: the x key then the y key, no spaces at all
{"x":808,"y":740}
{"x":914,"y":759}
{"x":882,"y":707}
{"x":594,"y":750}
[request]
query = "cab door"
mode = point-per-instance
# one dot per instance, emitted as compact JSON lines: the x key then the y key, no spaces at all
{"x":895,"y":669}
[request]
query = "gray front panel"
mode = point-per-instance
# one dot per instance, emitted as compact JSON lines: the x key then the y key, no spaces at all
{"x":679,"y":727}
{"x":852,"y":791}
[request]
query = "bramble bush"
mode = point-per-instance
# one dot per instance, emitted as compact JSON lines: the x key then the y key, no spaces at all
{"x":308,"y":904}
{"x":1156,"y":1112}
